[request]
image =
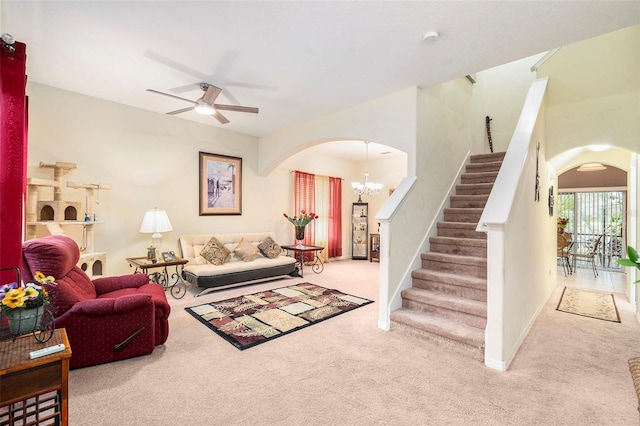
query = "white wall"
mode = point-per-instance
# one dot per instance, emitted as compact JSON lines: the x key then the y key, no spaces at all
{"x":501,"y":92}
{"x":594,"y":98}
{"x":390,"y":120}
{"x":594,"y":93}
{"x":151,"y":160}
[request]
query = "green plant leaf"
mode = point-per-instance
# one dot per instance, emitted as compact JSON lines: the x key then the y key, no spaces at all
{"x":627,"y":262}
{"x":632,"y":253}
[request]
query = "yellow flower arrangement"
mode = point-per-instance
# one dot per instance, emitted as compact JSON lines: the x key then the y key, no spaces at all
{"x":14,"y":296}
{"x":563,"y":221}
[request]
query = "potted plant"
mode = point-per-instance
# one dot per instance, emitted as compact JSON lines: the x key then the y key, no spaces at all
{"x":23,"y":305}
{"x":632,"y":261}
{"x":562,"y":224}
{"x":300,"y":222}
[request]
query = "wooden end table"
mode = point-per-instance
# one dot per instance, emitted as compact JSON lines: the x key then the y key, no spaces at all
{"x":175,"y":282}
{"x":299,"y":251}
{"x":34,"y":391}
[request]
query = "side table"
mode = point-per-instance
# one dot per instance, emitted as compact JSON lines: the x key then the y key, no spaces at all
{"x":34,"y":391}
{"x":299,"y":251}
{"x":174,"y":281}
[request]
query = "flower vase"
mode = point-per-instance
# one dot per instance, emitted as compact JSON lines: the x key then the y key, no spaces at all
{"x":300,"y":233}
{"x":24,"y":321}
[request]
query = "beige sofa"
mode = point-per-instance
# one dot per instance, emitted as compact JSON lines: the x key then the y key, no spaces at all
{"x":234,"y":271}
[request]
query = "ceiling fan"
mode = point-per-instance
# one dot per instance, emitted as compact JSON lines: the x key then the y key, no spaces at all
{"x":206,"y":105}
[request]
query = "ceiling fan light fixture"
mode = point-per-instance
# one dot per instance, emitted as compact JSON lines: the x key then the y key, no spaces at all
{"x":203,"y":108}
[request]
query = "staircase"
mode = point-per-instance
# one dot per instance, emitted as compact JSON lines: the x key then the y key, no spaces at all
{"x":448,"y":300}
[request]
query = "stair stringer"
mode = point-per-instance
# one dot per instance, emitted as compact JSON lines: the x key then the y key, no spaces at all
{"x":395,"y":301}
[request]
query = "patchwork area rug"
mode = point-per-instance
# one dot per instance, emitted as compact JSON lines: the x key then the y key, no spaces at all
{"x":252,"y":319}
{"x":591,"y":304}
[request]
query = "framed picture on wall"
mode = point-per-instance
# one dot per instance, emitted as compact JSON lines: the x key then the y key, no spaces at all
{"x":220,"y":184}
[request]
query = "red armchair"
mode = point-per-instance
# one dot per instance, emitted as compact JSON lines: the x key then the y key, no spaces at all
{"x":106,"y":319}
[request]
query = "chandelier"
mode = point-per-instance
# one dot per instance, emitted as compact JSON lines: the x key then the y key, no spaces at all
{"x":366,"y":187}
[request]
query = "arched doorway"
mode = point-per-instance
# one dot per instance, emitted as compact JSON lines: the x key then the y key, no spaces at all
{"x":592,"y":199}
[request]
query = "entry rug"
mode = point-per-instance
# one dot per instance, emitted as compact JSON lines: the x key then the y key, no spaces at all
{"x":589,"y":304}
{"x":249,"y":320}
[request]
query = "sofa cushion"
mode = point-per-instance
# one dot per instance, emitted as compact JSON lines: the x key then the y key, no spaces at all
{"x":215,"y":252}
{"x":269,"y":248}
{"x":245,"y":250}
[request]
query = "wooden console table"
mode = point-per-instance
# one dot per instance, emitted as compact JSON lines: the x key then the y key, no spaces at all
{"x":34,"y":391}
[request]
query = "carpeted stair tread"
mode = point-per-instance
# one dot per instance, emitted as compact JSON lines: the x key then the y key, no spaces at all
{"x":470,"y":210}
{"x":444,"y":327}
{"x":460,"y":229}
{"x":474,"y":188}
{"x":462,"y":241}
{"x":473,"y":201}
{"x":462,"y":214}
{"x":488,"y":166}
{"x":450,"y":278}
{"x":447,"y":301}
{"x":479,"y":177}
{"x":455,"y":263}
{"x":458,"y":246}
{"x":457,"y":259}
{"x":453,"y":283}
{"x":488,"y":157}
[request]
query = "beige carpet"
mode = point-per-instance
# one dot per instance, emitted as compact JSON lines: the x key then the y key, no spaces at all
{"x":593,"y":304}
{"x":346,"y":371}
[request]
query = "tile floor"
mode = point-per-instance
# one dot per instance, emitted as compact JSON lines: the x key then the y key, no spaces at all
{"x":582,"y":277}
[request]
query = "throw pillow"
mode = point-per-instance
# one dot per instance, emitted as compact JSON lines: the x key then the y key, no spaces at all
{"x":215,"y":252}
{"x":270,"y":248}
{"x":245,"y":250}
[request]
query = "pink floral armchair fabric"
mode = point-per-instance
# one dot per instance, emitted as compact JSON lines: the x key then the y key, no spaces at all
{"x":106,"y":319}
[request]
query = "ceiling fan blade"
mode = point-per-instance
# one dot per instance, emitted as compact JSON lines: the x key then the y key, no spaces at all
{"x":211,"y":94}
{"x":171,"y":96}
{"x":221,"y":118}
{"x":180,"y":111}
{"x":236,"y":108}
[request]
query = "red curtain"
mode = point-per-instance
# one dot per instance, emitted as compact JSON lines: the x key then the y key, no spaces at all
{"x":13,"y":155}
{"x":305,"y":199}
{"x":335,"y":217}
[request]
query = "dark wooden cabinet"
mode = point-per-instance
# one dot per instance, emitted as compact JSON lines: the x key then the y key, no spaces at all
{"x":374,"y":247}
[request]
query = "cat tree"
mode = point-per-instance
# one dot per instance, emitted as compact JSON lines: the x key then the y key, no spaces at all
{"x":54,"y":215}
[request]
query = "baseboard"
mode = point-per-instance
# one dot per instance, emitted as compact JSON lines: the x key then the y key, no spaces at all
{"x":384,"y":325}
{"x":504,"y":365}
{"x":496,"y":364}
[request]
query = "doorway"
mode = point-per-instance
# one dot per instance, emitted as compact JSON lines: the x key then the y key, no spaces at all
{"x":592,"y":214}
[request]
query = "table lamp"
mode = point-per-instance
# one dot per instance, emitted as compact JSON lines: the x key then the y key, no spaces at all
{"x":154,"y":222}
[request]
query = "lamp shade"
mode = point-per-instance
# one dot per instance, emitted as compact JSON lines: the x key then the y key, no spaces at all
{"x":155,"y":221}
